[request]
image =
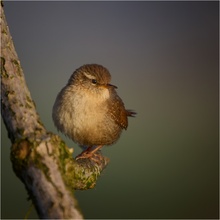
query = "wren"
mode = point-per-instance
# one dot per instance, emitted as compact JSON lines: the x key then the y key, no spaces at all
{"x":89,"y":111}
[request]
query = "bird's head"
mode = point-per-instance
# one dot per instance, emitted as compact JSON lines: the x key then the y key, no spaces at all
{"x":93,"y":78}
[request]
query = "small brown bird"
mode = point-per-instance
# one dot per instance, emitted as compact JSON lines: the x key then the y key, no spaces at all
{"x":89,"y":111}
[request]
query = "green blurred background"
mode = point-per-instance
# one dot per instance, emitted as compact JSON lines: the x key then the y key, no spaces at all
{"x":163,"y":56}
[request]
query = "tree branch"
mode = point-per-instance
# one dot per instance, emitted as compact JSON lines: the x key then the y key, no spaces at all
{"x":40,"y":159}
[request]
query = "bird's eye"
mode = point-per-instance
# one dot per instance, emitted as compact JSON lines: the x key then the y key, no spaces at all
{"x":94,"y":81}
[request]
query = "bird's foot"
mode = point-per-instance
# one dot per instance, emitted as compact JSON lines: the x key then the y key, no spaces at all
{"x":91,"y":154}
{"x":95,"y":157}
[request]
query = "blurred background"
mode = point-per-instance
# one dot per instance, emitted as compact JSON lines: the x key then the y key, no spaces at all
{"x":163,"y":56}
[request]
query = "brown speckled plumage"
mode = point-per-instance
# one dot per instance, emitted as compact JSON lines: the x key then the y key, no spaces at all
{"x":88,"y":109}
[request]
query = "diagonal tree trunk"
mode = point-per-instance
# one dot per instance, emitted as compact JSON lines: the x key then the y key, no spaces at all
{"x":40,"y":158}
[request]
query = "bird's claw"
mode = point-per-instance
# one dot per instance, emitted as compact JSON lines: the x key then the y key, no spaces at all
{"x":95,"y":157}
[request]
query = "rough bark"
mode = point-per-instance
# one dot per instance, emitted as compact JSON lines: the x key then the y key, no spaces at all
{"x":40,"y":159}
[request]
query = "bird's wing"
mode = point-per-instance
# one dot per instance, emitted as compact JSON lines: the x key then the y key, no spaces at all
{"x":118,"y":112}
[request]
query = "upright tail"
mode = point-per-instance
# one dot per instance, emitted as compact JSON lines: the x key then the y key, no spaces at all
{"x":131,"y":113}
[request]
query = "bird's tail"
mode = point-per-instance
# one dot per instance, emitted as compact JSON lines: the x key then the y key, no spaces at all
{"x":131,"y":113}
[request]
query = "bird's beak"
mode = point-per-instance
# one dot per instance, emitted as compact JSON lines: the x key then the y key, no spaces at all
{"x":110,"y":85}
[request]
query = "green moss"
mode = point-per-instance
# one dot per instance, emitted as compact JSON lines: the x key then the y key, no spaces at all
{"x":81,"y":176}
{"x":28,"y":105}
{"x":24,"y":151}
{"x":18,"y":66}
{"x":15,"y":62}
{"x":3,"y":70}
{"x":64,"y":152}
{"x":4,"y":31}
{"x":20,"y":152}
{"x":20,"y":131}
{"x":77,"y":175}
{"x":41,"y":166}
{"x":8,"y":93}
{"x":39,"y":122}
{"x":28,"y":98}
{"x":90,"y":185}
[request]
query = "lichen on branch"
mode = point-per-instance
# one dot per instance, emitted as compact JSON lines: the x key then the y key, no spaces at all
{"x":40,"y":159}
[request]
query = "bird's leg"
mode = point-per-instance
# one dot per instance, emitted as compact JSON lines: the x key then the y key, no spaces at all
{"x":89,"y":152}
